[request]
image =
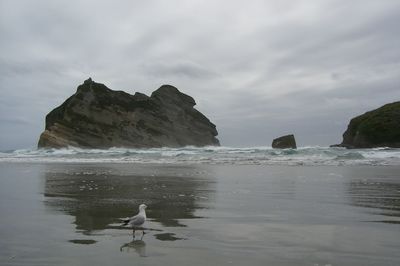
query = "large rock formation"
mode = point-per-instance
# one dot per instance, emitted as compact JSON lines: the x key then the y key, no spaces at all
{"x":377,"y":128}
{"x":284,"y":142}
{"x":97,"y":117}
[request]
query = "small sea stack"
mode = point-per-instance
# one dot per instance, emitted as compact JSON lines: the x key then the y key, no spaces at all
{"x":376,"y":128}
{"x":98,"y":117}
{"x":284,"y":142}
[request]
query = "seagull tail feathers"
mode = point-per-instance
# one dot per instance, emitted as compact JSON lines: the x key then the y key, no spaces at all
{"x":125,"y":221}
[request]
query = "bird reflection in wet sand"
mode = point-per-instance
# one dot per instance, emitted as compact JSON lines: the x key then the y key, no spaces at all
{"x":138,"y":246}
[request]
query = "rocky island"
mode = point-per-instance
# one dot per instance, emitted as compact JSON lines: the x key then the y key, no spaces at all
{"x":377,"y":128}
{"x":284,"y":142}
{"x":98,"y":117}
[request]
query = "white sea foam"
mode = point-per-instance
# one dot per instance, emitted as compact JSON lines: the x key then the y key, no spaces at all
{"x":210,"y":155}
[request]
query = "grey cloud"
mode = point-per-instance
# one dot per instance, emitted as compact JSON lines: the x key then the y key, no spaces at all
{"x":257,"y":68}
{"x":15,"y":120}
{"x":183,"y":69}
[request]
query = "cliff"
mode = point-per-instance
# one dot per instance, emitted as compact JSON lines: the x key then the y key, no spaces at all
{"x":98,"y":117}
{"x":377,"y":128}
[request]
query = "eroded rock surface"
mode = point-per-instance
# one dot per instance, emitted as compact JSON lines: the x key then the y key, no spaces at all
{"x":98,"y":117}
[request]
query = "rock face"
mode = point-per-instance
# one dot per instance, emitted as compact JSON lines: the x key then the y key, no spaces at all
{"x":97,"y":117}
{"x":284,"y":142}
{"x":377,"y":128}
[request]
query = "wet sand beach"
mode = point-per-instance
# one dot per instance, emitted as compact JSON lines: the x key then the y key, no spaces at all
{"x":67,"y":214}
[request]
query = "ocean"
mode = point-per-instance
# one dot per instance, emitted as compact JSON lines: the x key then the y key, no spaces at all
{"x":312,"y":156}
{"x":214,"y":205}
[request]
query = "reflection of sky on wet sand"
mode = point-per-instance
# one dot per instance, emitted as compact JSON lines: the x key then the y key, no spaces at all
{"x":98,"y":196}
{"x":379,"y":194}
{"x":258,"y":215}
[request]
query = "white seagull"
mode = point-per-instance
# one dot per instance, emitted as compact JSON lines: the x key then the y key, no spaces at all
{"x":137,"y":220}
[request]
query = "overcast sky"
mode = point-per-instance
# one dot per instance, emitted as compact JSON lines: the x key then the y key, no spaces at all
{"x":257,"y":69}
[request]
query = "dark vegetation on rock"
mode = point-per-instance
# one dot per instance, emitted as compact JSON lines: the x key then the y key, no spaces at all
{"x":377,"y":128}
{"x":98,"y":117}
{"x":284,"y":142}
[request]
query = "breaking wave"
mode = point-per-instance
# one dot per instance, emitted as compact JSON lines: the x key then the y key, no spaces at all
{"x":210,"y":155}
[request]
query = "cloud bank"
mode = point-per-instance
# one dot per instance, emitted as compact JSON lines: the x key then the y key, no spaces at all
{"x":257,"y":69}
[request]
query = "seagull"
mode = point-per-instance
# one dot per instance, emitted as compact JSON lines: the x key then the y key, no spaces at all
{"x":137,"y":220}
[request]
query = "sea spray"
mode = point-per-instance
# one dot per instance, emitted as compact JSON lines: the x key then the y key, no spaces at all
{"x":310,"y":155}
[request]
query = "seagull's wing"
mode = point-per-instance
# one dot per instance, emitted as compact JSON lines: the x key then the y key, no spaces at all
{"x":137,"y":220}
{"x":125,"y":221}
